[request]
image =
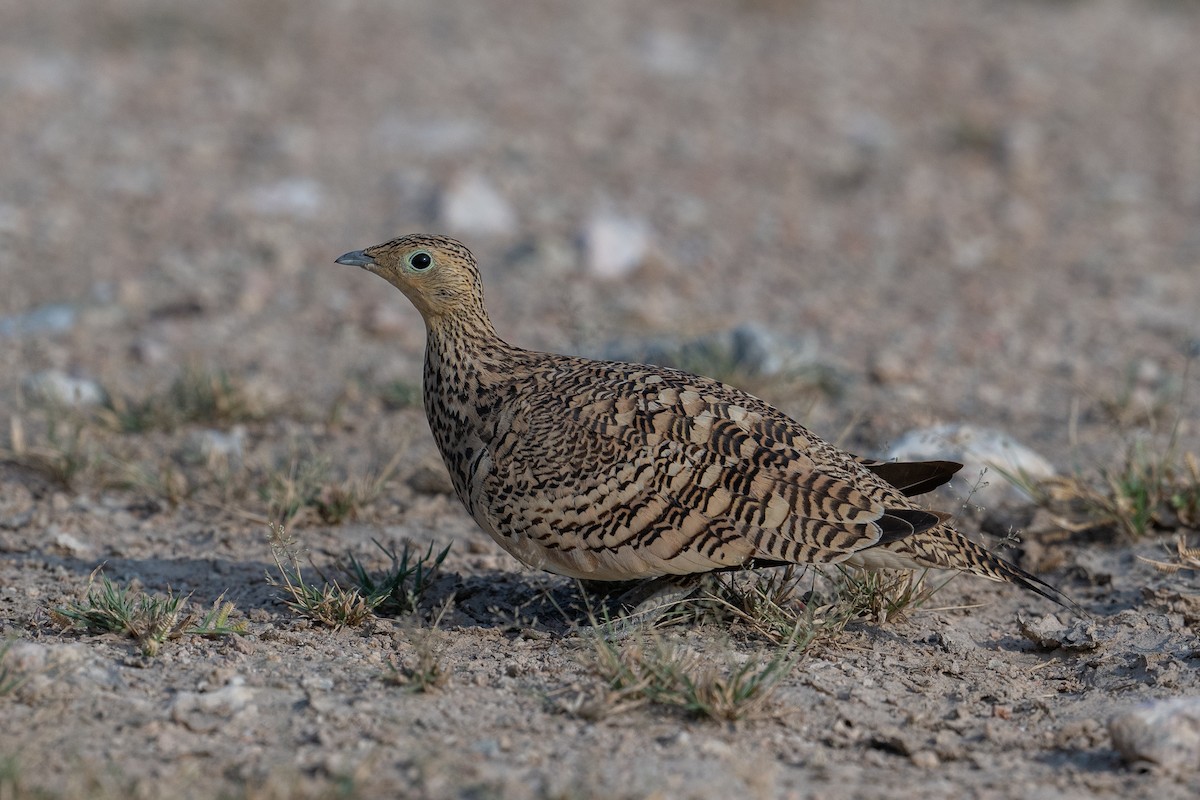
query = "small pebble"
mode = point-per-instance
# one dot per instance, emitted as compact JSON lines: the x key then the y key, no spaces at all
{"x":1164,"y":734}
{"x":472,"y":205}
{"x":59,"y":388}
{"x":615,"y":245}
{"x":58,"y":318}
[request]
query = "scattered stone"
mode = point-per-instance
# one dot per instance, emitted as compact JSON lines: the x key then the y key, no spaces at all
{"x":472,"y":205}
{"x":431,"y":478}
{"x":71,"y":544}
{"x":302,"y":198}
{"x":954,"y":642}
{"x":431,"y":135}
{"x":849,"y":161}
{"x":149,"y":351}
{"x":1050,"y":633}
{"x":671,"y":53}
{"x":1172,"y":602}
{"x":889,"y":367}
{"x":206,"y":712}
{"x":57,"y":387}
{"x":57,"y":318}
{"x":16,"y":506}
{"x":1163,"y":734}
{"x":39,"y":671}
{"x":615,"y":245}
{"x":213,"y":447}
{"x":746,"y":350}
{"x":988,"y":456}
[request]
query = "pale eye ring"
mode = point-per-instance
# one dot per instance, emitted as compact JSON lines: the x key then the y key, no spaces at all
{"x":420,"y":261}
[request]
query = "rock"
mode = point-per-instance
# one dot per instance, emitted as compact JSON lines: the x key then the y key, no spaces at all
{"x":145,"y":350}
{"x":1050,"y":633}
{"x":472,"y":205}
{"x":57,"y":318}
{"x":889,"y":368}
{"x":431,"y":478}
{"x":1163,"y":734}
{"x":302,"y":198}
{"x":38,"y":671}
{"x":213,"y":447}
{"x":988,"y":457}
{"x":17,"y":506}
{"x":746,"y":350}
{"x":615,"y":245}
{"x":58,"y":388}
{"x":69,"y":543}
{"x":205,"y":712}
{"x":671,"y":53}
{"x":430,"y":135}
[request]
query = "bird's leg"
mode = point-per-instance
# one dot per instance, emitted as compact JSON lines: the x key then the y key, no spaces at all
{"x":647,"y":601}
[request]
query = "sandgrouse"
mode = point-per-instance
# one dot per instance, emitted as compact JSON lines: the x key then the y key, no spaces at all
{"x":611,"y":471}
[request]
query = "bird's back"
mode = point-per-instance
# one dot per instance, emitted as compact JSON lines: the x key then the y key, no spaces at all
{"x":608,"y":470}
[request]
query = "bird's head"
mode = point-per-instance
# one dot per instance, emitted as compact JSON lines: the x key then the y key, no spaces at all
{"x":437,"y":273}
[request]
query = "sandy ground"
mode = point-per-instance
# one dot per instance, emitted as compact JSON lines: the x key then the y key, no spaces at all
{"x":975,"y":212}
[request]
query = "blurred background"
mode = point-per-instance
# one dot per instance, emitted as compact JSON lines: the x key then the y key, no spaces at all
{"x":947,"y":210}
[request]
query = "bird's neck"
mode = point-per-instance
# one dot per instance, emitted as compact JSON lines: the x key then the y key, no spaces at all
{"x":466,"y":365}
{"x":463,"y":351}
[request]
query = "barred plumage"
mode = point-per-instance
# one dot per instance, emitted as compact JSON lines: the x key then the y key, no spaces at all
{"x":612,"y":471}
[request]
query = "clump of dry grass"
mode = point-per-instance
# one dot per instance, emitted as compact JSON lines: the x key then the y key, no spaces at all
{"x":1185,"y":558}
{"x":427,"y":672}
{"x":64,"y":452}
{"x":398,"y":588}
{"x":107,"y":607}
{"x":1149,"y":488}
{"x":328,"y":604}
{"x":650,"y":670}
{"x":806,"y":605}
{"x":308,"y":488}
{"x":195,"y":396}
{"x":1147,"y":491}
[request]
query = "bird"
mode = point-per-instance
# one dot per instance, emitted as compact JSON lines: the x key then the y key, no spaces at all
{"x":615,"y":471}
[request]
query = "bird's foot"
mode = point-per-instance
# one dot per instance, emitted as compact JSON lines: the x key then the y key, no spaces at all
{"x":645,"y":604}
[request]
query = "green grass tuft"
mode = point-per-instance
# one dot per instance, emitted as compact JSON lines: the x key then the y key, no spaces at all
{"x":110,"y":608}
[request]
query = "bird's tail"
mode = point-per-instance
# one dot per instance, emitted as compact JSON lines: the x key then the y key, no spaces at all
{"x":945,"y":548}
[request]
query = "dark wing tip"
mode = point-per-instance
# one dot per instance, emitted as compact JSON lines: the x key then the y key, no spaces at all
{"x":913,"y":477}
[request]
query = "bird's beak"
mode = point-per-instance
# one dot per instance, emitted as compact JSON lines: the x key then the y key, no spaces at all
{"x":356,"y":258}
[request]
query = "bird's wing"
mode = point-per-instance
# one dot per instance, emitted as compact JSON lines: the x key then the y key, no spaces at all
{"x":608,"y":455}
{"x":913,"y":477}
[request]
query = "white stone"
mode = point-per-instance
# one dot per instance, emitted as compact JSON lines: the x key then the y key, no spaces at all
{"x":472,"y":205}
{"x":57,"y":318}
{"x":671,"y":53}
{"x":54,"y":386}
{"x":205,"y":712}
{"x":427,"y":134}
{"x":293,"y":197}
{"x":987,"y":456}
{"x":615,"y":245}
{"x":212,"y":446}
{"x":1163,"y":734}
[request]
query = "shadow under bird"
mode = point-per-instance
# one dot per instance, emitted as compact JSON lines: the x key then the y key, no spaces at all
{"x":609,"y":471}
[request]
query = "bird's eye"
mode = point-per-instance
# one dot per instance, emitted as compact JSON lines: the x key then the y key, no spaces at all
{"x":420,"y":261}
